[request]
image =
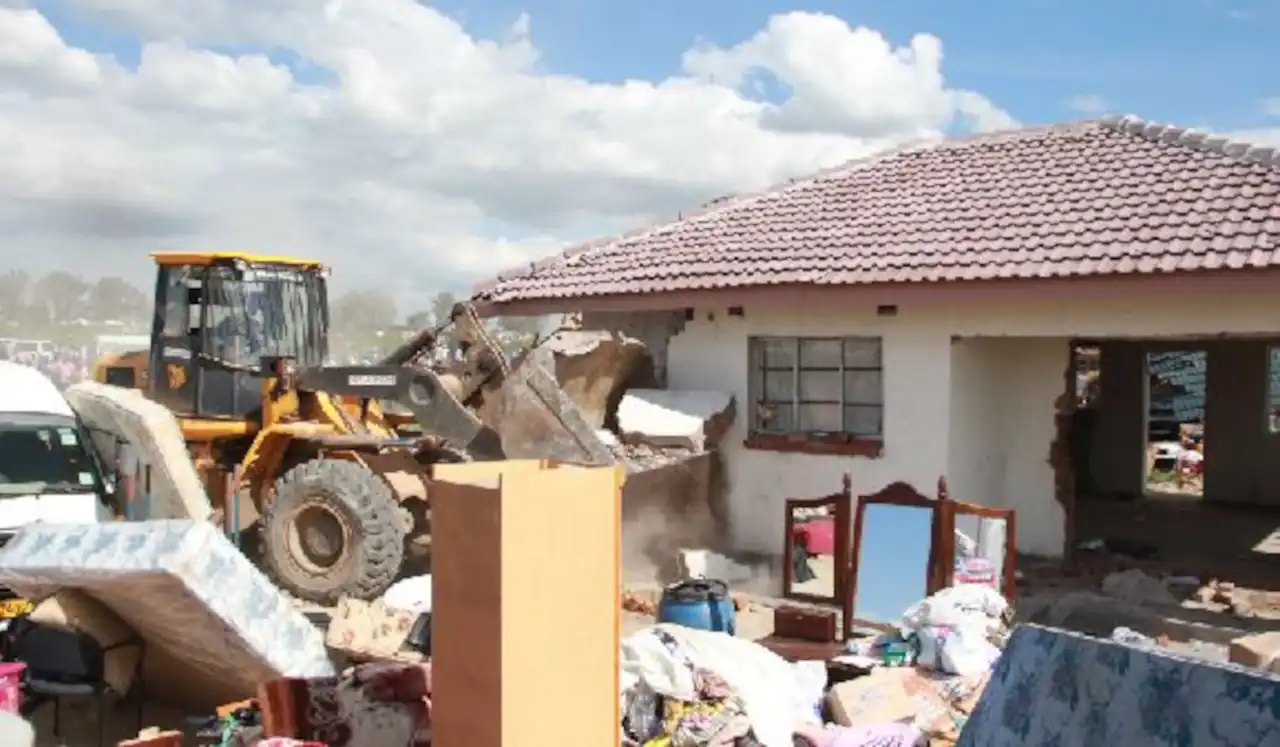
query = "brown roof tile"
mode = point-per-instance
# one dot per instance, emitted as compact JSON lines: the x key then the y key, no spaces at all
{"x":1105,"y":197}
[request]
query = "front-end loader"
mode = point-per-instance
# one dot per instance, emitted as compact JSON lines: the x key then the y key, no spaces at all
{"x":333,"y":482}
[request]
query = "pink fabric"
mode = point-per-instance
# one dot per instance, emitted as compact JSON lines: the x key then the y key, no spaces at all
{"x":817,"y":535}
{"x":876,"y":735}
{"x":11,"y":686}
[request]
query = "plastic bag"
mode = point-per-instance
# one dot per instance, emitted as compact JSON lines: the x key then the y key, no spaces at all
{"x":811,"y":687}
{"x":957,"y":606}
{"x":962,"y":650}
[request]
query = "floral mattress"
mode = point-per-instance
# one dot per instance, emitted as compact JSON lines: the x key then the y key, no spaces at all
{"x":1052,"y":687}
{"x":196,"y":601}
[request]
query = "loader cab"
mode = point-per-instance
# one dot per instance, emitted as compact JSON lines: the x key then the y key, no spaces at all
{"x":218,"y":315}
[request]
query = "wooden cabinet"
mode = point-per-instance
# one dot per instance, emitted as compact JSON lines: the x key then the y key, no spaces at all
{"x":526,"y":599}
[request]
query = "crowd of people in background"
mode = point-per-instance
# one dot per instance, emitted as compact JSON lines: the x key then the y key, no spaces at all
{"x":70,"y":364}
{"x":64,"y":364}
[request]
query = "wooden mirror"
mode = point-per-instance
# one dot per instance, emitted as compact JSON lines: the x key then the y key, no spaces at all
{"x":896,"y":558}
{"x":985,"y":544}
{"x":816,"y":547}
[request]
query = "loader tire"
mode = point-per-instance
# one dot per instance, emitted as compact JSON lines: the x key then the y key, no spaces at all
{"x":333,"y":529}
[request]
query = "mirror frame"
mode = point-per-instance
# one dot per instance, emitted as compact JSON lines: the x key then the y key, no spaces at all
{"x":896,"y":494}
{"x":951,"y":508}
{"x":843,"y":501}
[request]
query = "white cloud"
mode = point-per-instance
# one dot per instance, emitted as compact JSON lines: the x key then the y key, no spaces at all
{"x":417,"y":155}
{"x":1270,"y":106}
{"x":1263,"y":137}
{"x":1087,"y":103}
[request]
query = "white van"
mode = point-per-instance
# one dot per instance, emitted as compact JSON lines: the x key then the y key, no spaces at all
{"x":48,"y":469}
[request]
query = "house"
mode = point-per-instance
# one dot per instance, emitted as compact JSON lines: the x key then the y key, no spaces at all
{"x":922,"y":312}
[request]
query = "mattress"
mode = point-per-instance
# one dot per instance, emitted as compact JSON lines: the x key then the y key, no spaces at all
{"x":154,"y":437}
{"x":193,"y":598}
{"x":1052,"y":687}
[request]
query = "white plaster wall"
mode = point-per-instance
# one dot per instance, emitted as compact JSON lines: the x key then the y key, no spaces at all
{"x":1011,"y":387}
{"x":976,"y":457}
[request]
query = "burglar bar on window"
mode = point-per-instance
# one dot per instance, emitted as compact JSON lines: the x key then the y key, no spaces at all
{"x":768,"y":371}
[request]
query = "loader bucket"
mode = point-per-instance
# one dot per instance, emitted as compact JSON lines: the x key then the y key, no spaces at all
{"x":534,"y":418}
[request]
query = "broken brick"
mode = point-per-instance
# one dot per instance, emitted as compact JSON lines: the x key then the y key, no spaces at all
{"x":1261,"y":650}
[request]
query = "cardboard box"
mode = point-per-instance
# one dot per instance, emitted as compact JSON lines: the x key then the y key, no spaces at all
{"x":1261,"y":650}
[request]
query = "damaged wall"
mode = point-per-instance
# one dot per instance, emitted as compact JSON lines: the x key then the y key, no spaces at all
{"x":613,"y":366}
{"x":1240,"y":453}
{"x":654,"y":328}
{"x":922,"y":441}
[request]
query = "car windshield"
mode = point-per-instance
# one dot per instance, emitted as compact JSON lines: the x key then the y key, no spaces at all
{"x":44,"y":457}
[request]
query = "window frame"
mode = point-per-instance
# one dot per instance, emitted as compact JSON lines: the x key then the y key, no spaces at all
{"x":842,"y":442}
{"x":1269,"y":400}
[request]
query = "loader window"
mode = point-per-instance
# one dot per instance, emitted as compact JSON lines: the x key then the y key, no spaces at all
{"x":177,"y":318}
{"x":264,"y":312}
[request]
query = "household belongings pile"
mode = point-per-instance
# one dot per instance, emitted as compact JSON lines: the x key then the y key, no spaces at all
{"x":683,"y":687}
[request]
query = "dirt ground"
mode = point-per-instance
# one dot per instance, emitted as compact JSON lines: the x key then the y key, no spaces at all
{"x":1184,"y":535}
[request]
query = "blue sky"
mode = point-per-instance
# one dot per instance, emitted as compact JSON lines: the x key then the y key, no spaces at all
{"x":1193,"y":62}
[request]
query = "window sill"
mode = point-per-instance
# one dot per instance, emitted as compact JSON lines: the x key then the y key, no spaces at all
{"x":871,"y":448}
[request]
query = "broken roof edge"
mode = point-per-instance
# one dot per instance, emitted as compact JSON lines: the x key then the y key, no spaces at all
{"x":1187,"y":137}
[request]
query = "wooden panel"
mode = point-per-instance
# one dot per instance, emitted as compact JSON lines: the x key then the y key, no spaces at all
{"x":526,"y":575}
{"x":466,"y":634}
{"x":561,"y":549}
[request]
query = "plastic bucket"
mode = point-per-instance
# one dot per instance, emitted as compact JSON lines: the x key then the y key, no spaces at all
{"x":11,"y":686}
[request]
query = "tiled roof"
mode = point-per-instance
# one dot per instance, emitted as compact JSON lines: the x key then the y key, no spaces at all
{"x":1106,"y":197}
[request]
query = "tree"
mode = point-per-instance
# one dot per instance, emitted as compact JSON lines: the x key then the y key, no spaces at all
{"x":418,"y":320}
{"x":114,"y":298}
{"x":364,"y":311}
{"x":442,"y":307}
{"x":61,"y":294}
{"x":13,"y":295}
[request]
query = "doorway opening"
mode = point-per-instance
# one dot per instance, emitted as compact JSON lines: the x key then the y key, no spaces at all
{"x":1173,"y":457}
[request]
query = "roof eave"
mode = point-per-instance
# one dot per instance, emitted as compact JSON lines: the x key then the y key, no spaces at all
{"x":809,"y":296}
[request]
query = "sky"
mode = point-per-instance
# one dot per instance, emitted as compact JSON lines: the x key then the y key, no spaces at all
{"x":420,"y":147}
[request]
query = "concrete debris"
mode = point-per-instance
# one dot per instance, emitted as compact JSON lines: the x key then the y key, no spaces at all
{"x":687,"y":419}
{"x":595,"y":367}
{"x":1136,"y":586}
{"x":1226,"y":597}
{"x":1261,"y":650}
{"x":703,"y":563}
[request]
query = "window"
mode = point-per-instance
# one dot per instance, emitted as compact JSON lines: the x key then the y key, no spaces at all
{"x":264,"y":312}
{"x":821,"y":395}
{"x":42,"y":458}
{"x":177,"y":316}
{"x":1273,"y":389}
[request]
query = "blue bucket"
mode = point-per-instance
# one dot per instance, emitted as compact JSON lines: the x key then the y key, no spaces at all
{"x":700,"y":603}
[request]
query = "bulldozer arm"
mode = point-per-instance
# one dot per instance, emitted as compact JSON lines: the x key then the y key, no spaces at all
{"x":514,"y":415}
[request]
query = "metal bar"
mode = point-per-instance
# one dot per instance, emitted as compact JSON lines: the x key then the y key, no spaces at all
{"x":844,"y":427}
{"x":795,"y":388}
